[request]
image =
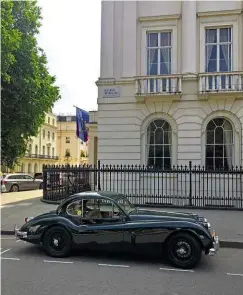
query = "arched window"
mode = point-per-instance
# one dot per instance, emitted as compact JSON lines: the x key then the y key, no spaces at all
{"x":219,"y":144}
{"x":30,"y":149}
{"x":36,"y":150}
{"x":159,"y":144}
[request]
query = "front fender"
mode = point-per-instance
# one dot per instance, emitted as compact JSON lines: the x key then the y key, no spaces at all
{"x":196,"y":230}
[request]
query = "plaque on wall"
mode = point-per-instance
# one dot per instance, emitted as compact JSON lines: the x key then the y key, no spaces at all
{"x":111,"y":92}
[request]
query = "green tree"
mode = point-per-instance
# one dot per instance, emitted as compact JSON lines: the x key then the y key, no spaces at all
{"x":28,"y":90}
{"x":67,"y":155}
{"x":82,"y":154}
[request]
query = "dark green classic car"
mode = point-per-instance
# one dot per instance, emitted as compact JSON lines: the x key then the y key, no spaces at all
{"x":107,"y":221}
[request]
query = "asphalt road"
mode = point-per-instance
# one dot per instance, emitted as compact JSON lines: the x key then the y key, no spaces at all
{"x":26,"y":270}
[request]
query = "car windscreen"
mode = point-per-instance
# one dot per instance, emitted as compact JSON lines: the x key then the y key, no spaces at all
{"x":126,"y":206}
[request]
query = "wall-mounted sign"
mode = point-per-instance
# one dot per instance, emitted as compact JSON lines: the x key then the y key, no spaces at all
{"x":111,"y":92}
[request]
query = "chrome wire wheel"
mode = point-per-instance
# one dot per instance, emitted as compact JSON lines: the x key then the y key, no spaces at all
{"x":184,"y":250}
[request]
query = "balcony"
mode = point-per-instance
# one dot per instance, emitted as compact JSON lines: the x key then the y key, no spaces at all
{"x":93,"y":118}
{"x":158,"y":87}
{"x":220,"y":84}
{"x":37,"y":156}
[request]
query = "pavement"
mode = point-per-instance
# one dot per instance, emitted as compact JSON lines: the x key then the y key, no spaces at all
{"x":27,"y":270}
{"x":16,"y":206}
{"x":8,"y":198}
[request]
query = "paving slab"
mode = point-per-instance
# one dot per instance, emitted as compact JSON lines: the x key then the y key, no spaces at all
{"x":15,"y":213}
{"x":8,"y":198}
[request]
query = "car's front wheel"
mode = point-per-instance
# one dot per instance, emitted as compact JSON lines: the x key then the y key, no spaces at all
{"x":184,"y":251}
{"x":57,"y":242}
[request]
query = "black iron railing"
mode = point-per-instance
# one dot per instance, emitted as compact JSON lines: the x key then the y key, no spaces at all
{"x":182,"y":186}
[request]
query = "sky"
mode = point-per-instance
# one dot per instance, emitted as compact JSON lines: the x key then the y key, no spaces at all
{"x":70,"y":37}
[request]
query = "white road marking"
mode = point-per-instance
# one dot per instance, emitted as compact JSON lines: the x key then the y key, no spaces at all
{"x":175,"y":269}
{"x":24,"y":204}
{"x":6,"y":206}
{"x":5,"y":251}
{"x":9,"y":258}
{"x":234,"y":274}
{"x":7,"y":238}
{"x":113,"y":265}
{"x":18,"y":241}
{"x":56,"y":261}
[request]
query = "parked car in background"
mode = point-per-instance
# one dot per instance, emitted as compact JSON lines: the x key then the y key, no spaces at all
{"x":38,"y":175}
{"x":15,"y":182}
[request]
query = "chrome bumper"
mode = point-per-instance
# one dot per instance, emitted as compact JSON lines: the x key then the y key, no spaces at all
{"x":213,"y":251}
{"x":18,"y":233}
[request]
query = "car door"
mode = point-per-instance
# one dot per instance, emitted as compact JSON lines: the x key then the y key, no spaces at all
{"x":144,"y":237}
{"x":104,"y":231}
{"x":29,"y":182}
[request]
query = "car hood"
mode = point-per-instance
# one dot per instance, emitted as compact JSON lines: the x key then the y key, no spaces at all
{"x":141,"y":214}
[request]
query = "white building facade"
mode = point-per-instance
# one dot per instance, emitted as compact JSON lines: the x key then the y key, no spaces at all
{"x":171,"y":84}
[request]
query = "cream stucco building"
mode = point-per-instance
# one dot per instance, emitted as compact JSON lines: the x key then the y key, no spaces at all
{"x":41,"y":149}
{"x":170,"y":89}
{"x":70,"y":149}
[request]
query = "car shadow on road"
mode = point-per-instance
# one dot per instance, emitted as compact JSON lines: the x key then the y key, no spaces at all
{"x":99,"y":257}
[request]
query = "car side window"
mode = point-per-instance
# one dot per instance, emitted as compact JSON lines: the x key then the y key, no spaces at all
{"x":101,"y":211}
{"x":27,"y":177}
{"x":15,"y":177}
{"x":75,"y":208}
{"x":94,"y":210}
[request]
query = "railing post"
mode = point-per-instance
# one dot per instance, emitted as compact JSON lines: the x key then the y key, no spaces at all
{"x":44,"y":182}
{"x":190,"y":183}
{"x":99,"y":188}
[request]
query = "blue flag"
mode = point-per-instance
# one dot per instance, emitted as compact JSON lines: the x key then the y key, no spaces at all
{"x":82,"y":117}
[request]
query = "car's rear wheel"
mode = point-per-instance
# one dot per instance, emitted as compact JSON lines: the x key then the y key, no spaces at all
{"x":14,"y":188}
{"x":184,"y":251}
{"x":57,"y":242}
